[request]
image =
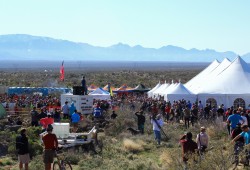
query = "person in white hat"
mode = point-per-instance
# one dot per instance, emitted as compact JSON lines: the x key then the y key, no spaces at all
{"x":202,"y":139}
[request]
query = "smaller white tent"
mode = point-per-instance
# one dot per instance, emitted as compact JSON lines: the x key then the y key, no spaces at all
{"x":101,"y":94}
{"x":150,"y":93}
{"x":178,"y":92}
{"x":159,"y":90}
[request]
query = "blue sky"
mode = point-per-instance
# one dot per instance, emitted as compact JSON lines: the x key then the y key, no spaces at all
{"x":223,"y":25}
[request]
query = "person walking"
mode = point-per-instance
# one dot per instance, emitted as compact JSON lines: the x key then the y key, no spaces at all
{"x":22,"y":146}
{"x":157,"y":125}
{"x":50,"y":145}
{"x":188,"y":147}
{"x":234,"y":119}
{"x":140,"y":121}
{"x":202,"y":139}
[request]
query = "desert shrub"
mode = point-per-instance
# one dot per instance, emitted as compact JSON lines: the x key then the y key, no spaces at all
{"x":133,"y":146}
{"x":90,"y":163}
{"x":37,"y":163}
{"x":6,"y":161}
{"x":73,"y":158}
{"x":35,"y":148}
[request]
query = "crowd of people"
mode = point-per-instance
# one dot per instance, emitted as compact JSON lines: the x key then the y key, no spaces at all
{"x":159,"y":112}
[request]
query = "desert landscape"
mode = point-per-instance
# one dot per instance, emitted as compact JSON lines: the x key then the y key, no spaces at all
{"x":121,"y":149}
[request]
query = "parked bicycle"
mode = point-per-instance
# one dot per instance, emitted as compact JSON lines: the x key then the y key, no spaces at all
{"x":60,"y":163}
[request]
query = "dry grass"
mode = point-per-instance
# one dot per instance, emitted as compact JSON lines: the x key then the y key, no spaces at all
{"x":133,"y":146}
{"x":165,"y":158}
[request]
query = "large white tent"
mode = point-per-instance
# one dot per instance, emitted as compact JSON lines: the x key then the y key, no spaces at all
{"x":207,"y":78}
{"x":231,"y":86}
{"x":178,"y":92}
{"x":101,"y":94}
{"x":150,"y":93}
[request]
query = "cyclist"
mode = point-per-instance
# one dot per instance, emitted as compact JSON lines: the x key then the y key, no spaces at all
{"x":239,"y":143}
{"x":50,"y":145}
{"x":246,"y":135}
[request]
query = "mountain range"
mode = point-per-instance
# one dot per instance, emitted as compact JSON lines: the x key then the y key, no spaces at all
{"x":28,"y":47}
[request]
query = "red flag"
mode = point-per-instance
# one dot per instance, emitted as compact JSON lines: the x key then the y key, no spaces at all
{"x":62,"y":72}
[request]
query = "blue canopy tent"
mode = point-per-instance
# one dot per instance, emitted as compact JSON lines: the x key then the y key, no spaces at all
{"x":31,"y":90}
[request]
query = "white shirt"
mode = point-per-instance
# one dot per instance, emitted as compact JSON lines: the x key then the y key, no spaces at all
{"x":202,"y":139}
{"x":155,"y":126}
{"x":245,"y":120}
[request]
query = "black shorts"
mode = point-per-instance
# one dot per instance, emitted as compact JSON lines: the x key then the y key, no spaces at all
{"x":48,"y":156}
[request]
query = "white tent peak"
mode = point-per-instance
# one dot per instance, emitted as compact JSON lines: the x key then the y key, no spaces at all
{"x":202,"y":74}
{"x":150,"y":93}
{"x":99,"y":91}
{"x":235,"y":79}
{"x":179,"y":89}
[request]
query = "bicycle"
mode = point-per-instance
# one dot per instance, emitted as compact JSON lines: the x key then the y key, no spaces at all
{"x":61,"y":163}
{"x":234,"y":158}
{"x":241,"y":155}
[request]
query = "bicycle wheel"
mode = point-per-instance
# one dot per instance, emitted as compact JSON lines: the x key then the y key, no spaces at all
{"x":66,"y":165}
{"x":56,"y":166}
{"x":98,"y":146}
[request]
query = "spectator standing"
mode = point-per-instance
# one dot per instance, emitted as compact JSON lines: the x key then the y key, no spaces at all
{"x":200,"y":106}
{"x":22,"y":146}
{"x":34,"y":117}
{"x":43,"y":113}
{"x":75,"y":118}
{"x":97,"y":113}
{"x":113,"y":115}
{"x":84,"y":85}
{"x":186,"y":116}
{"x":50,"y":145}
{"x":65,"y":110}
{"x":140,"y":121}
{"x":72,"y":109}
{"x":57,"y":115}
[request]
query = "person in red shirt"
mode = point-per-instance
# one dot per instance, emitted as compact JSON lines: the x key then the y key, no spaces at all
{"x":46,"y":121}
{"x":167,"y":111}
{"x":50,"y":145}
{"x":188,"y":147}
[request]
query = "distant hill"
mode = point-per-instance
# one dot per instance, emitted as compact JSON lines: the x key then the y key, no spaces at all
{"x":27,"y":47}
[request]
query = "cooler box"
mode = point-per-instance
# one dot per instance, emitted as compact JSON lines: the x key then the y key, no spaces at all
{"x":61,"y":129}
